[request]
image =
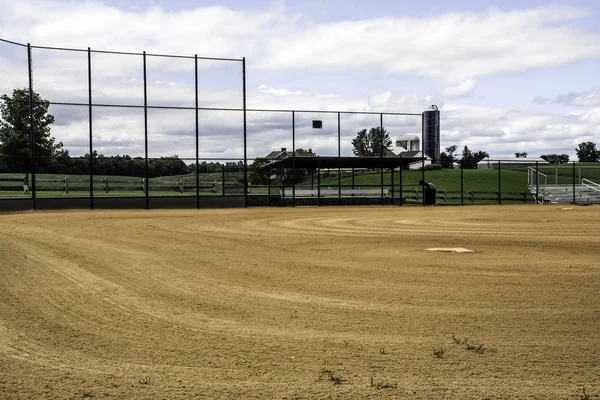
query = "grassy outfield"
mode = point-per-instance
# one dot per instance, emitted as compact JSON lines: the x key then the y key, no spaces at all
{"x":448,"y":179}
{"x":52,"y":185}
{"x":99,"y":193}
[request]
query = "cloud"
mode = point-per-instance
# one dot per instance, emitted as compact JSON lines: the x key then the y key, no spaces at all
{"x":499,"y":131}
{"x":587,"y":99}
{"x":503,"y":131}
{"x":279,"y":92}
{"x":461,"y":89}
{"x":450,"y":49}
{"x":452,"y":46}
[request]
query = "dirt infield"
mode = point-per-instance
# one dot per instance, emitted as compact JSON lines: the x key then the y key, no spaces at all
{"x":305,"y":303}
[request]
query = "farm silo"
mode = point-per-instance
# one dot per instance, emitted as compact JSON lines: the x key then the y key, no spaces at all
{"x":431,"y":134}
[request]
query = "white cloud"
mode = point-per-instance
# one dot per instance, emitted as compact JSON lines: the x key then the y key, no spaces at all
{"x":453,"y":49}
{"x":587,"y":99}
{"x":279,"y":92}
{"x":454,"y":46}
{"x":461,"y":89}
{"x":502,"y":132}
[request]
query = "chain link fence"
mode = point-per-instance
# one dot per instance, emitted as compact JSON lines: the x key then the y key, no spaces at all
{"x":84,"y":128}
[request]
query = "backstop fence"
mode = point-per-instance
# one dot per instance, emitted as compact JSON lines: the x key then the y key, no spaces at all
{"x":84,"y":128}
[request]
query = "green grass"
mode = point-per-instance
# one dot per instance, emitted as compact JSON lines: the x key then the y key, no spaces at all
{"x":99,"y":193}
{"x":447,"y":180}
{"x":130,"y":186}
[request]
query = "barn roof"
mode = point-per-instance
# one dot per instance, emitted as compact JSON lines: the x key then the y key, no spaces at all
{"x":342,"y":162}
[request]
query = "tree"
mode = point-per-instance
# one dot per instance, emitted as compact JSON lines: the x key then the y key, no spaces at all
{"x":369,"y":144}
{"x":15,"y":130}
{"x":304,"y":153}
{"x":521,"y":155}
{"x":469,"y":159}
{"x":448,"y":157}
{"x":587,"y":152}
{"x":556,"y":158}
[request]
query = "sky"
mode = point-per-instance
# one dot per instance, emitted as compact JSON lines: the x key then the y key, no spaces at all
{"x":510,"y":76}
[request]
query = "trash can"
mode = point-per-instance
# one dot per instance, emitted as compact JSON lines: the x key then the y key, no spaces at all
{"x":429,"y":193}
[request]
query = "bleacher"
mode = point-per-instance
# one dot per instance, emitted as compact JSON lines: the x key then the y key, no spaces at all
{"x":587,"y":192}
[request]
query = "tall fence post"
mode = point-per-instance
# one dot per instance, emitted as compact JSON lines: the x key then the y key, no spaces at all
{"x":223,"y":179}
{"x":90,"y":116}
{"x":392,"y":176}
{"x":339,"y":135}
{"x":381,"y":155}
{"x":573,"y":180}
{"x":293,"y":159}
{"x":245,"y":134}
{"x":318,"y":181}
{"x":146,"y":132}
{"x":499,"y":182}
{"x":462,"y":184}
{"x":31,"y":127}
{"x":197,"y":134}
{"x":537,"y":183}
{"x":401,"y":188}
{"x":423,"y":153}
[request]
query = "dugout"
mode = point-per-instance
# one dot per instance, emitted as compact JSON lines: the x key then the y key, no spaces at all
{"x":348,"y":193}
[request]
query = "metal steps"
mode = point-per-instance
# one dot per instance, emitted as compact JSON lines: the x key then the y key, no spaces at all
{"x":563,"y":194}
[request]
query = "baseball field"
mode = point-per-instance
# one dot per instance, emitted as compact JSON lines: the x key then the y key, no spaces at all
{"x":304,"y":303}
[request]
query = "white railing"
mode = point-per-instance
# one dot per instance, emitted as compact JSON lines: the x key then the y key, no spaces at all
{"x":592,"y":185}
{"x":289,"y":192}
{"x":531,"y":173}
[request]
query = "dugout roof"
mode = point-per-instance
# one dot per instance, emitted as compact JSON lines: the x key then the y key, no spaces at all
{"x":342,"y":162}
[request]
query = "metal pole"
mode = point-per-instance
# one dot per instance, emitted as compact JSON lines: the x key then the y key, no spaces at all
{"x":318,"y":181}
{"x":283,"y":183}
{"x":400,"y":184}
{"x":293,"y":159}
{"x":573,"y":180}
{"x":381,"y":155}
{"x":339,"y":135}
{"x":245,"y":135}
{"x":146,"y":132}
{"x":393,"y":185}
{"x":423,"y":154}
{"x":339,"y":155}
{"x":462,"y":184}
{"x":537,"y":182}
{"x":91,"y":130}
{"x":499,"y":183}
{"x":197,"y":135}
{"x":31,"y":129}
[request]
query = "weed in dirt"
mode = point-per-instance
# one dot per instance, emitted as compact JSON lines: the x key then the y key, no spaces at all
{"x":144,"y":381}
{"x":382,"y":350}
{"x":459,"y":341}
{"x":439,"y":353}
{"x":479,"y":348}
{"x":584,"y":396}
{"x":346,"y":343}
{"x":86,"y":395}
{"x":332,"y":376}
{"x":383,"y":385}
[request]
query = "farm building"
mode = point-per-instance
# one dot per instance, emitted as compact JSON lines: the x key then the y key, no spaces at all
{"x":510,"y":162}
{"x":415,"y":154}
